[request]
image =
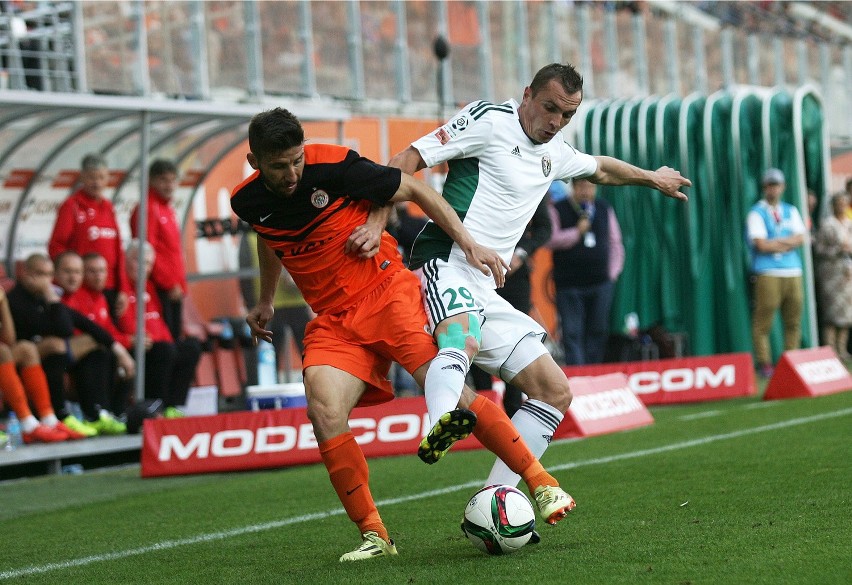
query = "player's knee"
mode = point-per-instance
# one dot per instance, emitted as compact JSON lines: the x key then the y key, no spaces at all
{"x":554,"y":391}
{"x":455,"y":336}
{"x":326,"y":421}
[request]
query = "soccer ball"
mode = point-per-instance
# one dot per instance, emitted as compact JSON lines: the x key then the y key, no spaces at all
{"x":499,"y":519}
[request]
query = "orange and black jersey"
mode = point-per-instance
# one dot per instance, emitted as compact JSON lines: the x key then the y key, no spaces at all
{"x":309,"y":229}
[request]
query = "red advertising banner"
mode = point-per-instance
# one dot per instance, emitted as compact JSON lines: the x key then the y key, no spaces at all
{"x":261,"y":439}
{"x":808,"y":372}
{"x":674,"y":381}
{"x":602,"y":404}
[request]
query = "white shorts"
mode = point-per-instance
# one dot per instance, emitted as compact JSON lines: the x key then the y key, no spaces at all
{"x":511,"y":340}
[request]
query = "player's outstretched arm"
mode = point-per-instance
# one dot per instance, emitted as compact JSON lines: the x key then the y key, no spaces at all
{"x":430,"y":201}
{"x":270,"y":272}
{"x":612,"y":171}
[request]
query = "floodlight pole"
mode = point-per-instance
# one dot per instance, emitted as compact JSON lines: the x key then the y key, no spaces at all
{"x":441,"y":48}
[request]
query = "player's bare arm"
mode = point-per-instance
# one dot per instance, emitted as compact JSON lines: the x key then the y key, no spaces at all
{"x":365,"y":239}
{"x":409,"y":161}
{"x":612,"y":171}
{"x":270,"y":272}
{"x":484,"y":259}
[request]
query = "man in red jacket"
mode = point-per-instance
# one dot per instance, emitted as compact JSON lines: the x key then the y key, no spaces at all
{"x":86,"y":223}
{"x":169,"y":363}
{"x":169,"y":271}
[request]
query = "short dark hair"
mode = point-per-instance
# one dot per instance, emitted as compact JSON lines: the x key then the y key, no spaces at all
{"x":93,"y":161}
{"x":566,"y":75}
{"x":60,"y":258}
{"x":161,"y":167}
{"x":274,"y":131}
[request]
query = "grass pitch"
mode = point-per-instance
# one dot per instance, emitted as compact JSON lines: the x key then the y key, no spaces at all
{"x":740,"y":491}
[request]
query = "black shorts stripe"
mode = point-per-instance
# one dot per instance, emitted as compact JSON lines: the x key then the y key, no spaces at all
{"x":547,"y":418}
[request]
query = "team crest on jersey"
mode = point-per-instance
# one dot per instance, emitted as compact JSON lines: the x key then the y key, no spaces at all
{"x":545,"y":165}
{"x":319,"y":199}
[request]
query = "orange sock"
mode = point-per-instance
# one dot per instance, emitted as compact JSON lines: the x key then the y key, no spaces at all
{"x":13,"y":390}
{"x":35,"y":383}
{"x":498,"y":434}
{"x":349,"y":474}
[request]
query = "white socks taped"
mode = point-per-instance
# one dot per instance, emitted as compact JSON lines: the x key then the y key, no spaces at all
{"x":444,"y":381}
{"x":536,"y":421}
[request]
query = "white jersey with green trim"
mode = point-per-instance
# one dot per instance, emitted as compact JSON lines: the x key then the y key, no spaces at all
{"x":497,"y":177}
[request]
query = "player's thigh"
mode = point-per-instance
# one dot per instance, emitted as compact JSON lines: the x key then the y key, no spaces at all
{"x":510,"y":339}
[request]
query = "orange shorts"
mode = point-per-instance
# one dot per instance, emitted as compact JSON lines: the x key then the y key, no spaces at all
{"x":388,"y":325}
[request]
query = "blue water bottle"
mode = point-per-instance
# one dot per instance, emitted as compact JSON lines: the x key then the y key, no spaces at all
{"x":267,"y":371}
{"x":13,"y":431}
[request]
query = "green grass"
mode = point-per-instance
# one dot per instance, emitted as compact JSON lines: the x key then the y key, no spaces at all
{"x":738,"y":491}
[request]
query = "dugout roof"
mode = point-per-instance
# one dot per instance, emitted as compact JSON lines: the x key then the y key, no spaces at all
{"x":44,"y":136}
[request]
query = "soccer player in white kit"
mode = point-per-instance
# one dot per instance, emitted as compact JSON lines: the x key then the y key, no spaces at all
{"x":502,"y":159}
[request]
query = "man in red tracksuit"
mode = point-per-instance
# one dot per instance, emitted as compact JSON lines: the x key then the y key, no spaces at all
{"x":86,"y":223}
{"x":169,"y":363}
{"x":169,"y":272}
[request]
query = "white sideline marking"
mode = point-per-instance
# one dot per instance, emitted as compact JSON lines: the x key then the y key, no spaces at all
{"x":698,"y":415}
{"x":169,"y":544}
{"x":762,"y":404}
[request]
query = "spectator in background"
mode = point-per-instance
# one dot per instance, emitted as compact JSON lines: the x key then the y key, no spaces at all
{"x":169,"y":272}
{"x":85,"y":222}
{"x":169,"y":363}
{"x":833,"y":251}
{"x":775,"y":232}
{"x":82,"y":282}
{"x":588,"y":257}
{"x":22,"y":380}
{"x":518,"y":291}
{"x":41,"y":317}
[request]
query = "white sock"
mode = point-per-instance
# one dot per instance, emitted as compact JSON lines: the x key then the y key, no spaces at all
{"x":29,"y":424}
{"x":50,"y":420}
{"x":536,"y":421}
{"x":444,"y":381}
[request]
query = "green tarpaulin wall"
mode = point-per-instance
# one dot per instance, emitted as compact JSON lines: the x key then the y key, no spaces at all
{"x":687,"y":265}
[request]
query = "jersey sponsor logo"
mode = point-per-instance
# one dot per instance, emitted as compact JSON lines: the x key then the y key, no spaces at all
{"x":516,"y":152}
{"x":319,"y":199}
{"x":101,"y":233}
{"x":546,"y":165}
{"x":442,"y":136}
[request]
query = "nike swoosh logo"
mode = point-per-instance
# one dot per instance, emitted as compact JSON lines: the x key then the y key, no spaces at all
{"x":515,"y":440}
{"x":263,"y":218}
{"x":352,"y":491}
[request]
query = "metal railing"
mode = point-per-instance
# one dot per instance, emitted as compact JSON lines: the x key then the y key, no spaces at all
{"x":377,"y":55}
